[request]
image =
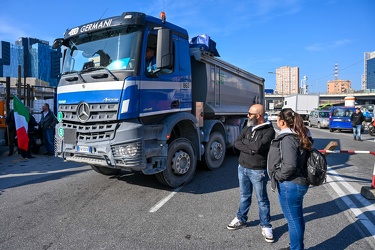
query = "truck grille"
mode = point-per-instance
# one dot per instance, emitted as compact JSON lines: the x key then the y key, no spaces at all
{"x":98,"y":112}
{"x":91,"y":133}
{"x":96,"y":127}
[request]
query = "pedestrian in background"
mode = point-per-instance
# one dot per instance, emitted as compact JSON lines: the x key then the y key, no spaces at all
{"x":357,"y":118}
{"x":286,"y":168}
{"x":47,"y":124}
{"x":11,"y":131}
{"x":253,"y":144}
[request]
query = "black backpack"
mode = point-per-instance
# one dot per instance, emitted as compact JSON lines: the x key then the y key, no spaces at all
{"x":316,"y":167}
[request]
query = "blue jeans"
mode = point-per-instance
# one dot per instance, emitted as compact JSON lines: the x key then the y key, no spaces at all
{"x":357,"y":131}
{"x":48,"y":138}
{"x":291,"y":202}
{"x":250,"y":179}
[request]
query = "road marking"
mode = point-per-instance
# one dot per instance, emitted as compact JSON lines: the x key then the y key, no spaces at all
{"x":164,"y":200}
{"x":358,"y":213}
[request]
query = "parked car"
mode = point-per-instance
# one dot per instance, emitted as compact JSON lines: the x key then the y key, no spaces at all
{"x":339,"y":118}
{"x":273,"y":116}
{"x":319,"y":118}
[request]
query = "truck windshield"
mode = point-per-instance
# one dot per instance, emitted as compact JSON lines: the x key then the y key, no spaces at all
{"x":113,"y":49}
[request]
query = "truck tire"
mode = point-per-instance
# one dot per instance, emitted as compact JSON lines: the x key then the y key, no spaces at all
{"x":371,"y":132}
{"x":181,"y":164}
{"x":214,"y":151}
{"x":105,"y":171}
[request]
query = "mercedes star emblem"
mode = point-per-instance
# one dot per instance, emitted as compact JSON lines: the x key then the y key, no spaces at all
{"x":83,"y":112}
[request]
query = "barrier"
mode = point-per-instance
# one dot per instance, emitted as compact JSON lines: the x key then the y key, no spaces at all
{"x":368,"y":192}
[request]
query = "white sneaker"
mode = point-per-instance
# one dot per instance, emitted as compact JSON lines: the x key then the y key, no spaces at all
{"x":236,"y":224}
{"x":267,"y":233}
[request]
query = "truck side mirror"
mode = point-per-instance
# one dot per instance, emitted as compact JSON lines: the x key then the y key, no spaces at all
{"x":164,"y":49}
{"x":57,"y":43}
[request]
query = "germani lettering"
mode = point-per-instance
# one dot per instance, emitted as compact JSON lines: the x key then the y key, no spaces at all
{"x":97,"y":25}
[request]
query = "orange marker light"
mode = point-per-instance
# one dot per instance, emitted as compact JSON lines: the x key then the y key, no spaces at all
{"x":163,"y":17}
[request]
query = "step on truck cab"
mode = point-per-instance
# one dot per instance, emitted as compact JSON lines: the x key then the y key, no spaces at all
{"x":118,"y":111}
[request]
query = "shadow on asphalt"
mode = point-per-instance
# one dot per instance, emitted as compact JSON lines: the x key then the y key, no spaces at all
{"x":16,"y":171}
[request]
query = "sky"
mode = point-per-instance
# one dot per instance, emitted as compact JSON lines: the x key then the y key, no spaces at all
{"x":255,"y":35}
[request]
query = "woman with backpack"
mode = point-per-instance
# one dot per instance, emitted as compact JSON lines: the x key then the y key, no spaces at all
{"x":286,"y":166}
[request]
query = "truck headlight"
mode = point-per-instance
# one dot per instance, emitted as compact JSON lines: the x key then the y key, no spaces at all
{"x":129,"y":150}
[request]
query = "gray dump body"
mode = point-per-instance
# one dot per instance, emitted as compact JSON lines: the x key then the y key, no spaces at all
{"x":225,"y":90}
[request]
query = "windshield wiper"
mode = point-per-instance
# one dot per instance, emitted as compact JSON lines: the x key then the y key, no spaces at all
{"x":99,"y":68}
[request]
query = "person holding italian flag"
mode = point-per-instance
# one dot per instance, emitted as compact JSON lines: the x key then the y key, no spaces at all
{"x":21,"y":118}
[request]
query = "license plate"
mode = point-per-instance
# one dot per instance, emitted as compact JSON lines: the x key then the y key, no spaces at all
{"x":84,"y":149}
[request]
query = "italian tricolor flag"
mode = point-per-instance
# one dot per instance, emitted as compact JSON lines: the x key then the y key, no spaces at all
{"x":21,"y":118}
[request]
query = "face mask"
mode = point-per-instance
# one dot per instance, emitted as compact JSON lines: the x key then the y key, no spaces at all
{"x":252,"y":121}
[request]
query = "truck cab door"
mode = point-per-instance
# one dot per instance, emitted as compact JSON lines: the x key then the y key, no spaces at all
{"x":159,"y":90}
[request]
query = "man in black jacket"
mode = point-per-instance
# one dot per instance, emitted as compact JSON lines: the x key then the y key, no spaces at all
{"x":47,"y":124}
{"x":357,"y":118}
{"x":254,"y":143}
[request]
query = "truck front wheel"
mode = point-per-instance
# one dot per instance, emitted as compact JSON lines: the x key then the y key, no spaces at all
{"x":181,"y":164}
{"x":105,"y":171}
{"x":214,"y":151}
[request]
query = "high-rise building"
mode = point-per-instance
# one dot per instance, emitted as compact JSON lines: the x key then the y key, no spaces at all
{"x":287,"y":80}
{"x":338,"y":86}
{"x":368,"y":78}
{"x":36,"y":58}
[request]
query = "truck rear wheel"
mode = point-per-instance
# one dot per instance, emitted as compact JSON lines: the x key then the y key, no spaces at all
{"x":214,"y":151}
{"x":105,"y":171}
{"x":181,"y":164}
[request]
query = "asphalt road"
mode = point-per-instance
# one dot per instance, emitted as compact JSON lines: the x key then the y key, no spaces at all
{"x":46,"y":203}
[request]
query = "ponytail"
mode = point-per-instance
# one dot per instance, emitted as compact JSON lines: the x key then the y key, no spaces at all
{"x":295,"y":122}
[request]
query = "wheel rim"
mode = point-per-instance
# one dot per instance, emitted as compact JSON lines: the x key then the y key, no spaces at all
{"x":216,"y":151}
{"x":181,"y":162}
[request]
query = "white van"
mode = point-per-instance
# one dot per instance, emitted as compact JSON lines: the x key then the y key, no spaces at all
{"x":319,"y":118}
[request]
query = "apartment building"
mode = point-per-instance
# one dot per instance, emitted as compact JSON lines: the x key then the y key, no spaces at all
{"x":287,"y":80}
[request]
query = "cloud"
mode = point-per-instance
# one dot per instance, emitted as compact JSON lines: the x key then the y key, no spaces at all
{"x":327,"y":45}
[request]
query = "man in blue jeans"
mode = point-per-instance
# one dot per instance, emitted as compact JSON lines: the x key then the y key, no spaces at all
{"x":254,"y":143}
{"x":357,"y":118}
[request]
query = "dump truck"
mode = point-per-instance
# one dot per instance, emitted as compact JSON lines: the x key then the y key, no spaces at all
{"x":116,"y":113}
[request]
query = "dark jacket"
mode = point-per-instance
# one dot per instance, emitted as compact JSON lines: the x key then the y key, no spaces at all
{"x":254,"y":143}
{"x":286,"y":160}
{"x":32,"y":123}
{"x":10,"y":121}
{"x":48,"y":121}
{"x":357,"y":119}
